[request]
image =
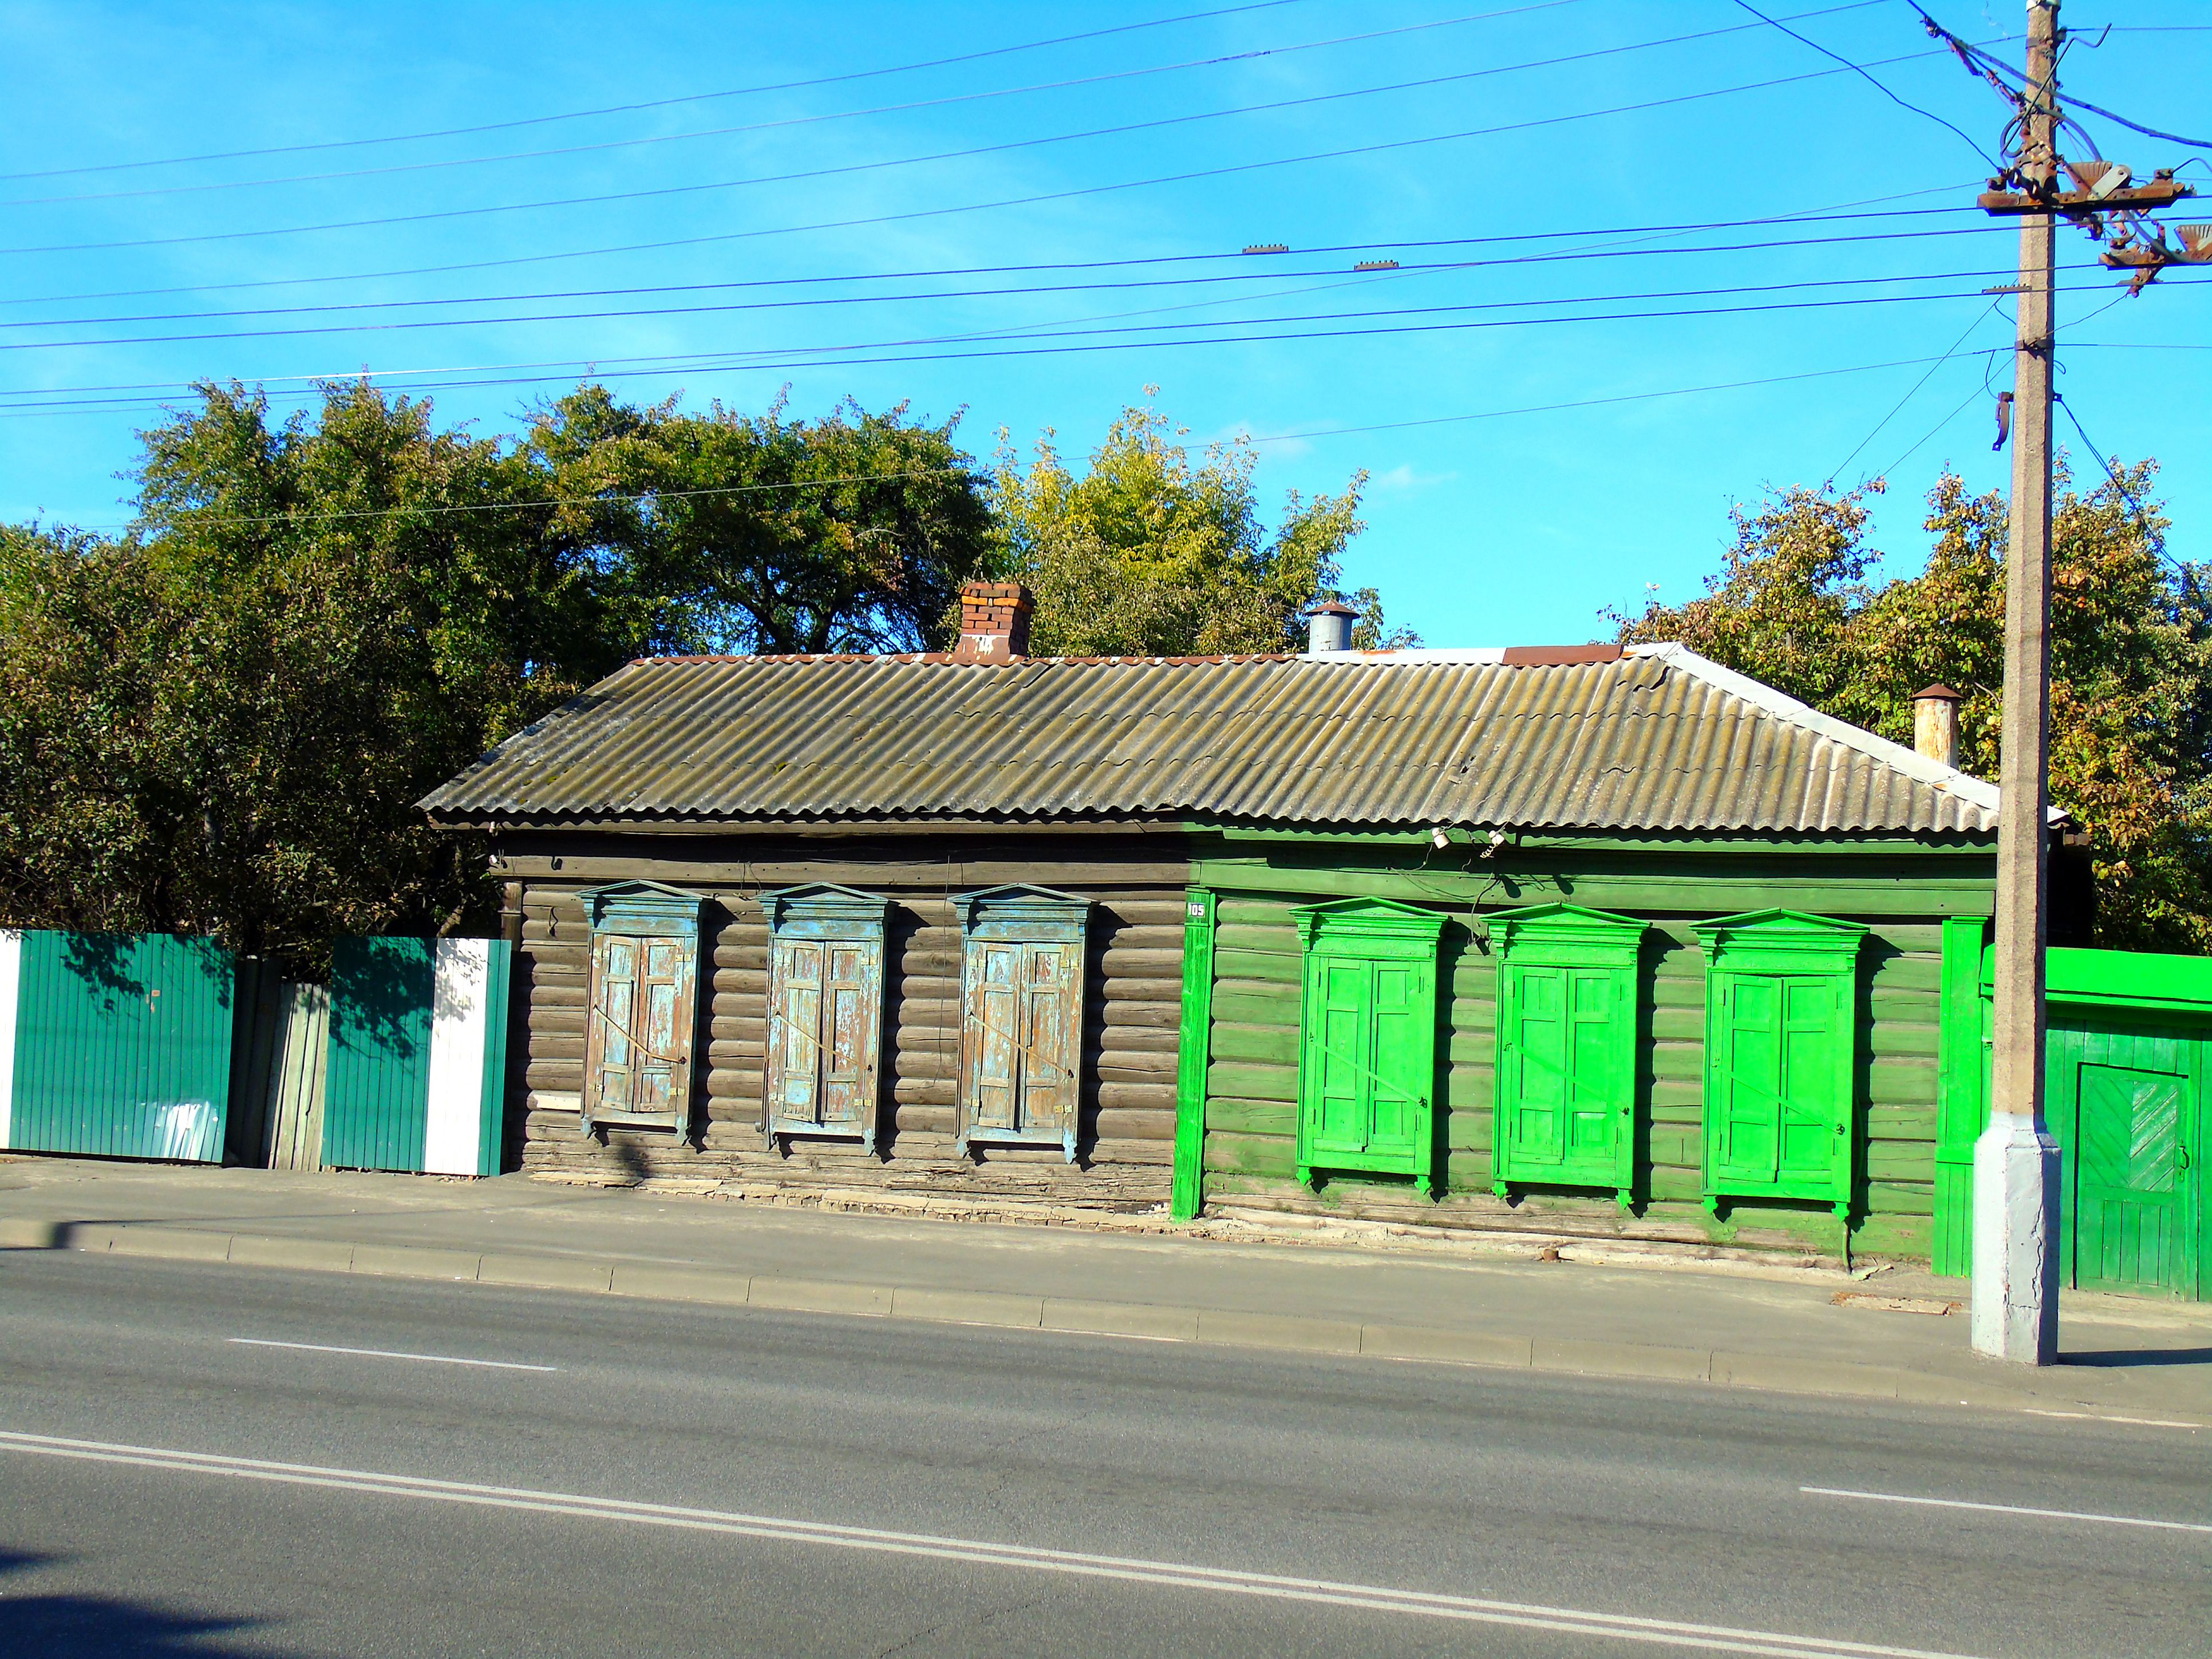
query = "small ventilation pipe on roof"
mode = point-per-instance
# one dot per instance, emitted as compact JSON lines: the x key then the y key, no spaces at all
{"x":1935,"y":724}
{"x":1329,"y":626}
{"x":995,"y":622}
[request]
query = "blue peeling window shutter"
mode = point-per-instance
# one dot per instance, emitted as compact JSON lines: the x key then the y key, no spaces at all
{"x":795,"y":1082}
{"x":614,"y":1013}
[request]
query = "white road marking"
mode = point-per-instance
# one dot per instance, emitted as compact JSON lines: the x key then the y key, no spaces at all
{"x":1717,"y":1638}
{"x":386,"y":1353}
{"x":2106,"y":1417}
{"x":2006,"y":1509}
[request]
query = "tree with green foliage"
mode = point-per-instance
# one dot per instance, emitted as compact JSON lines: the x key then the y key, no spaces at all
{"x":1796,"y":603}
{"x":758,"y":533}
{"x":221,"y":722}
{"x":1150,"y":553}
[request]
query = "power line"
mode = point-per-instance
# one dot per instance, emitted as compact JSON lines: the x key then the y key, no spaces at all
{"x":1809,"y":215}
{"x":1930,"y":433}
{"x":1899,"y":406}
{"x":1869,"y":78}
{"x":913,"y":215}
{"x":1073,"y":328}
{"x":2079,"y":102}
{"x":890,"y":353}
{"x":688,"y":97}
{"x":2118,"y":479}
{"x":662,"y":364}
{"x":1251,"y":273}
{"x":725,"y":308}
{"x":848,"y":115}
{"x":1284,"y":437}
{"x":667,"y":367}
{"x":2014,"y":83}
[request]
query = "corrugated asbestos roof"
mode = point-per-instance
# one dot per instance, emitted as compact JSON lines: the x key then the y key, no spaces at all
{"x":1658,"y":739}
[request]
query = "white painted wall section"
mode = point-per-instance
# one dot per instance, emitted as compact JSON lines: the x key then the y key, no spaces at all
{"x":460,"y":1022}
{"x":11,"y":993}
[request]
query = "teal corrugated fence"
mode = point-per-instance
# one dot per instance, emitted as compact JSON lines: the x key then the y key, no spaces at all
{"x":377,"y":1086}
{"x":120,"y":1045}
{"x":417,"y":1055}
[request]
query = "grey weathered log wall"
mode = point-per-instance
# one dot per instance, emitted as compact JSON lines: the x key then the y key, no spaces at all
{"x":1131,"y":1017}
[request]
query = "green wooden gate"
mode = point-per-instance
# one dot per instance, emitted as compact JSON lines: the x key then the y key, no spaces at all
{"x":2126,"y":1062}
{"x":2123,"y":1104}
{"x":114,"y":1045}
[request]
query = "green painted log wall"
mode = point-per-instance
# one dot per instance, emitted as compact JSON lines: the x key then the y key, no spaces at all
{"x":1251,"y":1076}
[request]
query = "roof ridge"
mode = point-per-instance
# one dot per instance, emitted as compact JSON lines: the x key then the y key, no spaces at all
{"x":1763,"y":696}
{"x":1509,"y":656}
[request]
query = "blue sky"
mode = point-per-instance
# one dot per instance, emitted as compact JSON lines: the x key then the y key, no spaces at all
{"x":1516,"y":527}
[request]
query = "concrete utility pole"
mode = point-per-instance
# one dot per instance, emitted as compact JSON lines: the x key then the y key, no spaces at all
{"x":2016,"y":1185}
{"x":2016,"y":1293}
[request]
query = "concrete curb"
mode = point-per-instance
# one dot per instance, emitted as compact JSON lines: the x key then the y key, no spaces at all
{"x":1644,"y":1361}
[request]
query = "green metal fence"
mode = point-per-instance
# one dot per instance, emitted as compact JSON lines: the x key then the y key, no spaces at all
{"x":115,"y":1045}
{"x":417,"y":1055}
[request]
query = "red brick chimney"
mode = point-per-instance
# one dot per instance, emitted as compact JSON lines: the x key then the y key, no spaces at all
{"x":995,"y":622}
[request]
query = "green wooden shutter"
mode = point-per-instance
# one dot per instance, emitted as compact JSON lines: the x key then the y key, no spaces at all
{"x":1403,"y":1045}
{"x":1194,"y":1045}
{"x":662,"y":1052}
{"x":1748,"y":1083}
{"x":1536,"y":1063}
{"x":1338,"y":1110}
{"x":849,"y":1034}
{"x":1565,"y":1111}
{"x":1781,"y":1051}
{"x":1367,"y":1040}
{"x":1601,"y":1069}
{"x":1816,"y":1020}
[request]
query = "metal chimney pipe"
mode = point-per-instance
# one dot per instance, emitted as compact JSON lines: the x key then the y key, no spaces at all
{"x":1935,"y":724}
{"x":1329,"y":626}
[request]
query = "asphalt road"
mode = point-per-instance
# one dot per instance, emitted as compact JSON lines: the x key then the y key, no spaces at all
{"x":202,"y":1461}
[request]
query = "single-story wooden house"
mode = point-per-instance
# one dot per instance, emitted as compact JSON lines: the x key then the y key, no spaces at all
{"x":1589,"y":940}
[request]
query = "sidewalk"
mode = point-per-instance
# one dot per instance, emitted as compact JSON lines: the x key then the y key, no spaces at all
{"x":1719,"y":1324}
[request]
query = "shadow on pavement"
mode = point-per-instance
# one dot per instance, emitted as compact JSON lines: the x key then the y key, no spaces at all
{"x":2119,"y":1359}
{"x":76,"y":1626}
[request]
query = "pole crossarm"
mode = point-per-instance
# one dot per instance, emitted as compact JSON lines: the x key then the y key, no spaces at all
{"x":2159,"y":193}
